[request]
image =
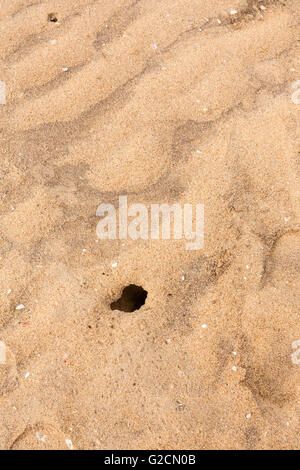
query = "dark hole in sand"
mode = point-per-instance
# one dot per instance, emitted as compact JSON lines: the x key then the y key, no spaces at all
{"x":132,"y":298}
{"x":52,"y":17}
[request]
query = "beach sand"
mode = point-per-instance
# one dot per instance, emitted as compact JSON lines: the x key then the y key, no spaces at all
{"x":164,"y":101}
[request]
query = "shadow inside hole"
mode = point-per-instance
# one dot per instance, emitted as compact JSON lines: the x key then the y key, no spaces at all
{"x":52,"y":17}
{"x":132,"y":298}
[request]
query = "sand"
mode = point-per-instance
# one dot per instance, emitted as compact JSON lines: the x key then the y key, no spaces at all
{"x":165,"y":101}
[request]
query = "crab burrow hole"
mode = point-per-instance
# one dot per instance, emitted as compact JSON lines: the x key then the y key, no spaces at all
{"x":52,"y":17}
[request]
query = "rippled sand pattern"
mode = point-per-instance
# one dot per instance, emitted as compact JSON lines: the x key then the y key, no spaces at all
{"x":164,"y":101}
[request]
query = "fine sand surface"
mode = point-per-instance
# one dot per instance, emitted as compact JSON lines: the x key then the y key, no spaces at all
{"x":165,"y":101}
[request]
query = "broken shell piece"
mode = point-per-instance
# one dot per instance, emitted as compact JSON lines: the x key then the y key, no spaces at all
{"x":20,"y":307}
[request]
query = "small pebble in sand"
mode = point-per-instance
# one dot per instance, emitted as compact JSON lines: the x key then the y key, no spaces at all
{"x":286,"y":219}
{"x":248,"y":415}
{"x":262,"y":7}
{"x":114,"y":265}
{"x":234,"y":368}
{"x":234,"y":353}
{"x":27,"y":375}
{"x":154,"y":46}
{"x":247,"y":266}
{"x":219,"y":21}
{"x":53,"y":41}
{"x":65,"y":69}
{"x":182,"y":278}
{"x":20,"y":307}
{"x":233,"y":12}
{"x":204,"y":325}
{"x":69,"y":444}
{"x":9,"y":291}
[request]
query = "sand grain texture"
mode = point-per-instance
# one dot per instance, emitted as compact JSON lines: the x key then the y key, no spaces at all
{"x":164,"y":101}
